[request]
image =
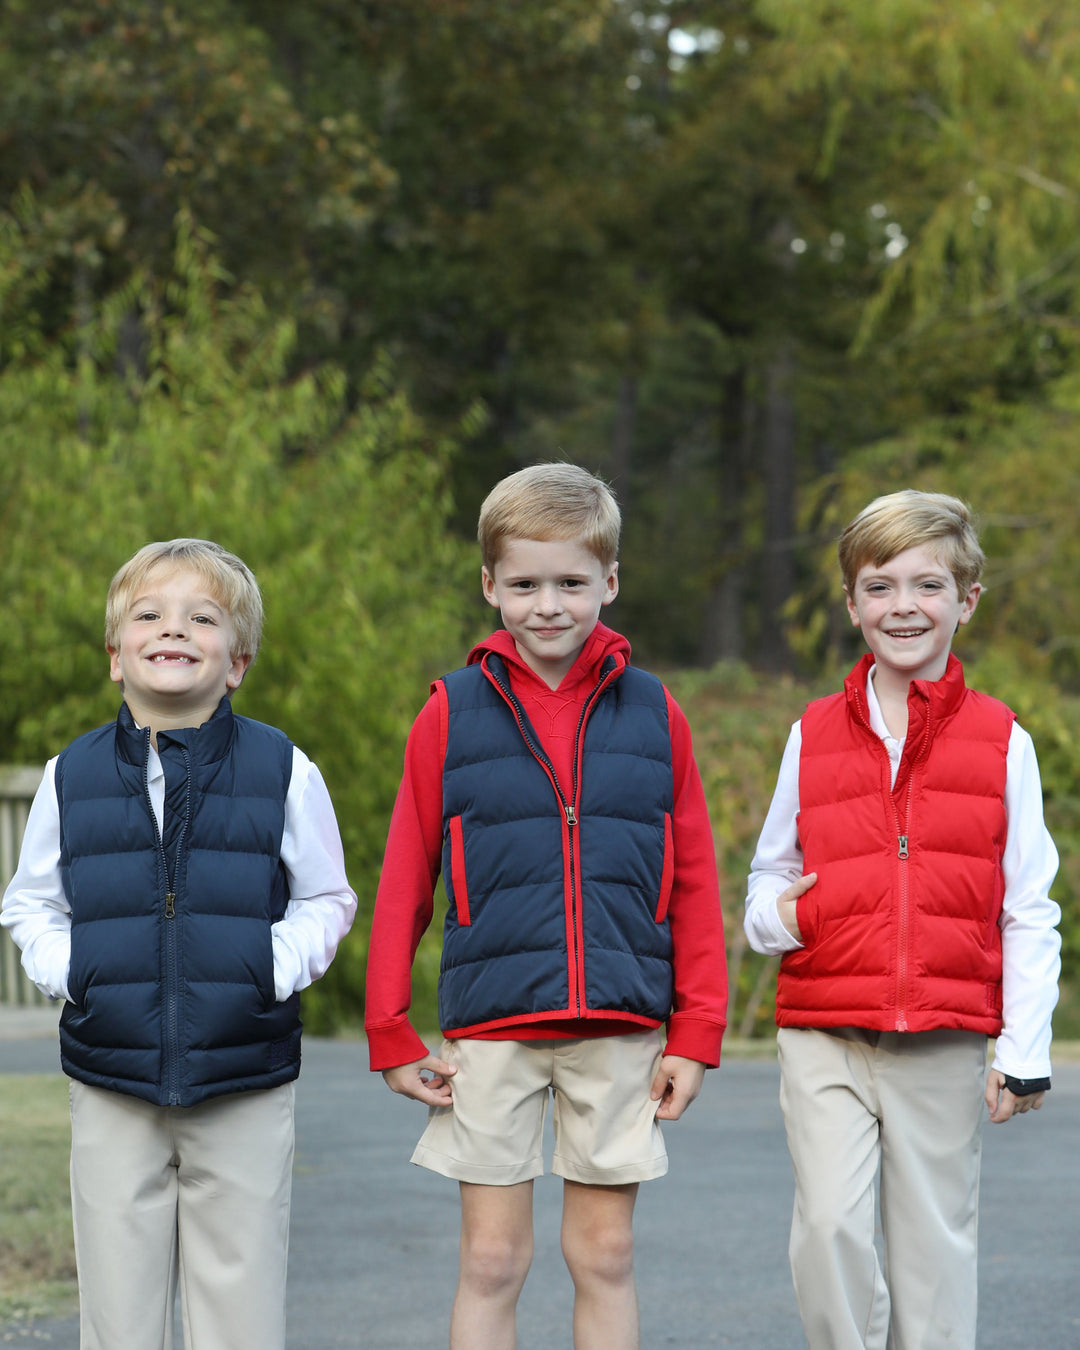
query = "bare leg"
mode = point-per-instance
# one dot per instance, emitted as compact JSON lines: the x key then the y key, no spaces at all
{"x":598,"y":1245}
{"x":496,"y":1251}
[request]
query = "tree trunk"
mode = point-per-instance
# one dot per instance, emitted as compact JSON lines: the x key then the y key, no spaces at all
{"x":723,"y":623}
{"x":622,"y":438}
{"x":778,"y":464}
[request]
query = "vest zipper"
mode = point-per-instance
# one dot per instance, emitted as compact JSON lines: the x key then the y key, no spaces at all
{"x":903,"y":854}
{"x":172,"y":970}
{"x":902,"y":826}
{"x":904,"y":916}
{"x":569,"y":807}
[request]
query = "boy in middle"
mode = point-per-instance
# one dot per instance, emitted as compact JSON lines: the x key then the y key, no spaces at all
{"x":555,"y":787}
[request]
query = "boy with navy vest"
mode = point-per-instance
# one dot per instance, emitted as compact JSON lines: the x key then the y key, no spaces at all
{"x":181,"y":880}
{"x":902,"y":875}
{"x":554,"y":786}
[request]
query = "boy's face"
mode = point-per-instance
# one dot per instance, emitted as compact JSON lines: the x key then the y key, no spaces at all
{"x":908,"y":610}
{"x":550,"y":594}
{"x":173,"y":657}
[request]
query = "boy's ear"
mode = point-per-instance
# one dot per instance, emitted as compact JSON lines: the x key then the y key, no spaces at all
{"x":611,"y":585}
{"x":851,"y":609}
{"x":967,"y":605}
{"x":487,"y":581}
{"x":237,"y":670}
{"x":116,"y":674}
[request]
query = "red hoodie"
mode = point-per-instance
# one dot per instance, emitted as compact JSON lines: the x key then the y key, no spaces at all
{"x":403,"y":906}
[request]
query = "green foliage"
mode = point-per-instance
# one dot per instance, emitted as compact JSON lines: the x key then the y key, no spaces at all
{"x":341,"y":514}
{"x":1016,"y":464}
{"x":37,"y":1260}
{"x":118,"y":113}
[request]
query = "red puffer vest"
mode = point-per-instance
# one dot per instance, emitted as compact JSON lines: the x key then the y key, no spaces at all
{"x":901,"y":930}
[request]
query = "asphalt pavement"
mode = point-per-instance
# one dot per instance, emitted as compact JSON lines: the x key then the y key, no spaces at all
{"x":373,"y":1252}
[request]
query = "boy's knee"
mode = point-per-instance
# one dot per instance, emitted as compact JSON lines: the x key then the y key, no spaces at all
{"x":493,"y":1263}
{"x":600,"y":1255}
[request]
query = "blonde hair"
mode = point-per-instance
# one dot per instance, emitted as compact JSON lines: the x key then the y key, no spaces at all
{"x":231,"y":582}
{"x":550,"y":501}
{"x":912,"y":519}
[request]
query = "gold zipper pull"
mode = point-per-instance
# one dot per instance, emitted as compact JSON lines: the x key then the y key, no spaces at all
{"x":170,"y":906}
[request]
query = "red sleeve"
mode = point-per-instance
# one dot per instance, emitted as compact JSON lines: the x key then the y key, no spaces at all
{"x":404,"y":901}
{"x":696,"y":1025}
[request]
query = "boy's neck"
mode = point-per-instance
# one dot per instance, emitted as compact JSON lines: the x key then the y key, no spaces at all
{"x":168,"y":719}
{"x":891,"y":690}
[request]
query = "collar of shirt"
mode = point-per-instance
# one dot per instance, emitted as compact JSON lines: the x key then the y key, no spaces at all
{"x":894,"y":747}
{"x":155,"y":783}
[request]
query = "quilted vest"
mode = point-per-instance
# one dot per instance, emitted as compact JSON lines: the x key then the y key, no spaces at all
{"x":557,"y":894}
{"x":900,"y":931}
{"x":172,"y":972}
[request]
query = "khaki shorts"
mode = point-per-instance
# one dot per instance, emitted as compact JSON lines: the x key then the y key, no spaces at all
{"x":605,"y":1121}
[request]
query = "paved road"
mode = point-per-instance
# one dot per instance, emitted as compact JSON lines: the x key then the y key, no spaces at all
{"x":374,"y":1240}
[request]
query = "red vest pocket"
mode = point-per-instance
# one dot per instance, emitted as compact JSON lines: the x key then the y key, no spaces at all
{"x":457,"y":871}
{"x":667,"y":876}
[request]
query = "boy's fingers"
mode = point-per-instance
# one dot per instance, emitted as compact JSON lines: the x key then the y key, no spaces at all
{"x":660,"y":1084}
{"x":440,"y":1066}
{"x":672,"y":1106}
{"x":1004,"y":1110}
{"x":439,"y":1095}
{"x":676,"y":1085}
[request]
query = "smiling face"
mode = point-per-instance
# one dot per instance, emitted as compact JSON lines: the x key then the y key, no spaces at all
{"x":550,"y":594}
{"x":908,"y":610}
{"x":174,"y":655}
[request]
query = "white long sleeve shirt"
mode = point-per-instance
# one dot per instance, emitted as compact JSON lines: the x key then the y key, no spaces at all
{"x":320,"y":910}
{"x":1030,"y":942}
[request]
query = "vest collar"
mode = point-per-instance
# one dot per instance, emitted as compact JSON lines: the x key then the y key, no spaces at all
{"x":206,"y":744}
{"x":930,"y":702}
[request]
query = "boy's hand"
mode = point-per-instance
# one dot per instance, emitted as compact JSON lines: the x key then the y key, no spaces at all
{"x":786,"y":906}
{"x":677,"y":1083}
{"x":1002,"y":1104}
{"x":410,"y":1080}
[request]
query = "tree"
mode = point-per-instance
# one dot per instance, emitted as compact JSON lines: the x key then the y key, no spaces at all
{"x":117,"y":113}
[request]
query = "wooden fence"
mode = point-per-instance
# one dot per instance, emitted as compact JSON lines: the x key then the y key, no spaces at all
{"x":17,"y":788}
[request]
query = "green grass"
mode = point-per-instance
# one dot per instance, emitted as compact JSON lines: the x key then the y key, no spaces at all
{"x":37,"y":1259}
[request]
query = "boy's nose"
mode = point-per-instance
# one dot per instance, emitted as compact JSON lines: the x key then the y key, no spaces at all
{"x":548,"y":600}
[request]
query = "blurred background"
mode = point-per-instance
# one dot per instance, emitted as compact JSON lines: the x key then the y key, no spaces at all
{"x":308,"y":277}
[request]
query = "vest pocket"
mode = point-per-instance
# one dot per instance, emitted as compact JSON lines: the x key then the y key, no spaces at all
{"x":667,"y":874}
{"x":457,"y":872}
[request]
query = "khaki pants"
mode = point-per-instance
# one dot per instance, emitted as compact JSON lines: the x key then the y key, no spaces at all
{"x":912,"y":1105}
{"x":195,"y":1198}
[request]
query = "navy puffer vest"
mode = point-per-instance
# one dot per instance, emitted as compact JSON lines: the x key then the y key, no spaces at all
{"x":558,"y":895}
{"x":172,"y":972}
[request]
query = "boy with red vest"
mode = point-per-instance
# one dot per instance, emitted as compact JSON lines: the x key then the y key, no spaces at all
{"x":902,"y":874}
{"x":554,"y":786}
